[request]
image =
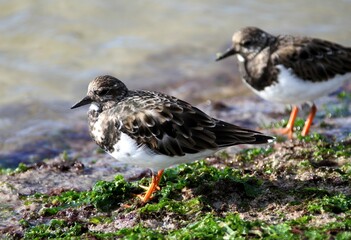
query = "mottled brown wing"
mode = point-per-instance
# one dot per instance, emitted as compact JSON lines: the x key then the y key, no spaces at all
{"x":177,"y":128}
{"x":313,"y":59}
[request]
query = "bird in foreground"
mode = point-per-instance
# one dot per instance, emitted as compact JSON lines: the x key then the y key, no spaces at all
{"x":289,"y":69}
{"x":153,"y":130}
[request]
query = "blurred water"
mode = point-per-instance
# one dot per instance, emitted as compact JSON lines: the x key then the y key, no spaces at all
{"x":50,"y":50}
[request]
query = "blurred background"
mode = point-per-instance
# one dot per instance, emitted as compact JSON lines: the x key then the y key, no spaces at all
{"x":51,"y":50}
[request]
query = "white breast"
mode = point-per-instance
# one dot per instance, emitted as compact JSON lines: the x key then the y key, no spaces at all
{"x":292,"y":90}
{"x":127,"y":151}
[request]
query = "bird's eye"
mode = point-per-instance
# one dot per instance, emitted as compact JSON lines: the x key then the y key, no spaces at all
{"x":102,"y":92}
{"x":246,"y":43}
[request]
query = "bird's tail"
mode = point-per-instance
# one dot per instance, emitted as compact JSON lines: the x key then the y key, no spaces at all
{"x":229,"y":134}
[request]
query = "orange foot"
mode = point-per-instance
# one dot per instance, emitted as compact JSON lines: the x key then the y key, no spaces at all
{"x":309,"y":120}
{"x":155,"y":180}
{"x":289,"y":129}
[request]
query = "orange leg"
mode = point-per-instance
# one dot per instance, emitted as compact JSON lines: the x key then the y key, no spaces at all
{"x":289,"y":129}
{"x":309,"y":120}
{"x":155,"y":180}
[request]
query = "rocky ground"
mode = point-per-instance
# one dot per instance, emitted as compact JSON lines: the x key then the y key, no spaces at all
{"x":294,"y":189}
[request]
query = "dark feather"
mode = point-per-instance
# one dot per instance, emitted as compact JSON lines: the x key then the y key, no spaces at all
{"x":179,"y":128}
{"x":163,"y":123}
{"x":312,"y":59}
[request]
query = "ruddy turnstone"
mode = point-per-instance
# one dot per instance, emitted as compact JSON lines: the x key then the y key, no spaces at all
{"x":289,"y":69}
{"x":154,"y":130}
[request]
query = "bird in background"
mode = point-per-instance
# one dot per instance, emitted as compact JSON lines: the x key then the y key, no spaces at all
{"x":290,"y":69}
{"x":156,"y":131}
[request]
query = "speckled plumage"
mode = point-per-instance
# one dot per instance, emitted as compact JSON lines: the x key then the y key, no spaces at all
{"x":164,"y":124}
{"x":154,"y":130}
{"x":310,"y":59}
{"x":289,"y":69}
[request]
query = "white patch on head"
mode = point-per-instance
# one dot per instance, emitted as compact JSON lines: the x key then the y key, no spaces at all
{"x":127,"y":151}
{"x":240,"y":58}
{"x":94,"y":107}
{"x":292,"y":90}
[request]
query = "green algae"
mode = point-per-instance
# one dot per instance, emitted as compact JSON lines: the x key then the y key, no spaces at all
{"x":107,"y":196}
{"x":339,"y":203}
{"x":19,"y":169}
{"x":56,"y":229}
{"x":205,"y":227}
{"x":248,"y":155}
{"x":194,"y":200}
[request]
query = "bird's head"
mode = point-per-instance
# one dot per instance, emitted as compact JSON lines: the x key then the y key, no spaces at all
{"x":247,"y":42}
{"x":103,"y":89}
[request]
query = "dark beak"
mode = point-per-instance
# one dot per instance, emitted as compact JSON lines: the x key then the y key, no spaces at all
{"x":84,"y":101}
{"x":229,"y":52}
